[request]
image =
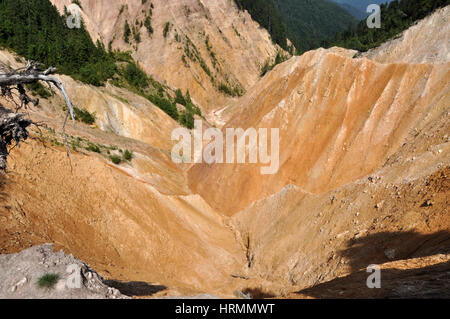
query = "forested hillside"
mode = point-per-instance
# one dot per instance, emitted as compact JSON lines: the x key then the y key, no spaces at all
{"x":306,"y":23}
{"x":268,"y":16}
{"x":35,"y":30}
{"x":358,"y":8}
{"x":396,"y":17}
{"x":309,"y":23}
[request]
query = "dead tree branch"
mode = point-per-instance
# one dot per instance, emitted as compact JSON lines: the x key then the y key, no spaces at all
{"x":13,"y":125}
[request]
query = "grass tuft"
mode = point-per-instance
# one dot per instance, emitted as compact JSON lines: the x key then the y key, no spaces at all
{"x":48,"y":281}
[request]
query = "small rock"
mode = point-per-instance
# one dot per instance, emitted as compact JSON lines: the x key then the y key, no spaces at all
{"x":427,"y":203}
{"x":22,"y":282}
{"x":379,"y":205}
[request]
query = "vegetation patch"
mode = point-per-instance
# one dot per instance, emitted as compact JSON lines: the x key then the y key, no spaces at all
{"x":116,"y":159}
{"x":231,"y":91}
{"x":166,"y":29}
{"x":268,"y":66}
{"x":93,"y":148}
{"x":127,"y":155}
{"x":84,"y":116}
{"x":46,"y":38}
{"x":136,"y":80}
{"x":191,"y":51}
{"x":268,"y":16}
{"x":48,"y":281}
{"x":37,"y":89}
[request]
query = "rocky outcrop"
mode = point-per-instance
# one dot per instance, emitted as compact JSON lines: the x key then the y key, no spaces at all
{"x":20,"y":274}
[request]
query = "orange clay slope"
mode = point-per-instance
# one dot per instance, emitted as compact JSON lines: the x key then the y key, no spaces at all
{"x":339,"y":119}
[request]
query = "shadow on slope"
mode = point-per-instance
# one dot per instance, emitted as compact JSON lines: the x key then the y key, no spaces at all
{"x":383,"y":247}
{"x":3,"y":195}
{"x":135,"y":288}
{"x":425,"y":282}
{"x":404,"y":277}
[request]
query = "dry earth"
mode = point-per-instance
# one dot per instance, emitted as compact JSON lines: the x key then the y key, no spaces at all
{"x":364,"y":176}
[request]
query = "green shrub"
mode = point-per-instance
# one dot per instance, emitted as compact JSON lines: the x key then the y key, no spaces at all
{"x":122,"y":56}
{"x":115,"y":159}
{"x":136,"y":35}
{"x":164,"y":104}
{"x":126,"y":32}
{"x":128,"y":155}
{"x":187,"y":119}
{"x":48,"y":281}
{"x":280,"y":58}
{"x":148,"y":24}
{"x":37,"y":88}
{"x":166,"y":29}
{"x":235,"y":91}
{"x":122,"y":9}
{"x":84,"y":116}
{"x":179,"y":98}
{"x":135,"y":76}
{"x":93,"y":148}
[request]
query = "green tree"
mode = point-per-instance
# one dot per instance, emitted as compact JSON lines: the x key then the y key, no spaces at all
{"x":36,"y":30}
{"x":126,"y":32}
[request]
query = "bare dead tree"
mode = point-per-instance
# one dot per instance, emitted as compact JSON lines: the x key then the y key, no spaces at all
{"x":13,"y":125}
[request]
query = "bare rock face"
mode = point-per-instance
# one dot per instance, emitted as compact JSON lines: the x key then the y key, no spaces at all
{"x":20,"y":274}
{"x":196,"y":45}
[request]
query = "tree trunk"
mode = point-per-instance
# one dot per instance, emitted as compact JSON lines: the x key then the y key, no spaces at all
{"x":13,"y":129}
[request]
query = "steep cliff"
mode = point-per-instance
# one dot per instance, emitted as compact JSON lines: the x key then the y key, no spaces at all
{"x":207,"y":47}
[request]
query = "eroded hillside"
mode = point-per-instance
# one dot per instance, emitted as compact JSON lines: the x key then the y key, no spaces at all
{"x":207,"y":47}
{"x":363,"y":179}
{"x":109,"y":214}
{"x":339,"y":119}
{"x":427,"y":41}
